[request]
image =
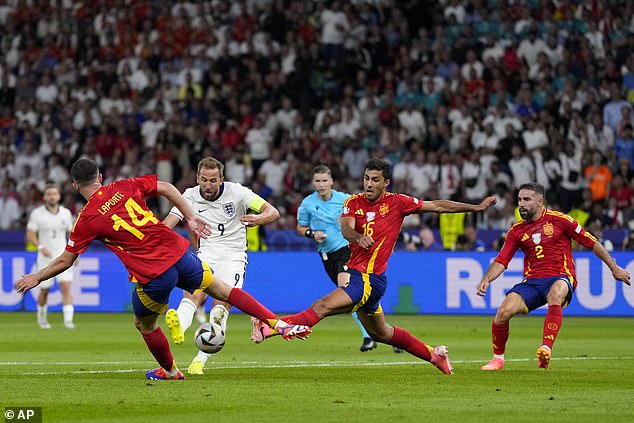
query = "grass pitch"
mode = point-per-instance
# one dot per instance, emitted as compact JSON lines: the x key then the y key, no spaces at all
{"x":96,"y":373}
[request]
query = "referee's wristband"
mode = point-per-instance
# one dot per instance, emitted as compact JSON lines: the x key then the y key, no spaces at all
{"x":40,"y":247}
{"x":309,"y":233}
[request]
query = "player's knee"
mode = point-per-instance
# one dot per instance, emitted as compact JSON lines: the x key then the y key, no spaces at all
{"x":503,"y":314}
{"x":144,"y":325}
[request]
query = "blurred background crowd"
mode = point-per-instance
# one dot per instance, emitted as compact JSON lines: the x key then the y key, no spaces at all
{"x":464,"y":98}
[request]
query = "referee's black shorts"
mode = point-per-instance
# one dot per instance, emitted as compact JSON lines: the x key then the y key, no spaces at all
{"x":335,"y":262}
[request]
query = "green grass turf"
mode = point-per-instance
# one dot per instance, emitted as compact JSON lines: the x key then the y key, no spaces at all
{"x":96,"y":373}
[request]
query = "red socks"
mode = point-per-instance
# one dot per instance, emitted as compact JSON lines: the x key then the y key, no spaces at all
{"x":406,"y":341}
{"x":306,"y":317}
{"x":552,"y":324}
{"x":160,"y":348}
{"x":249,"y":305}
{"x":499,"y":335}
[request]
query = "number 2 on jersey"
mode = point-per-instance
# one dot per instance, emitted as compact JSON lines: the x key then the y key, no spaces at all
{"x":539,"y":251}
{"x":134,"y":211}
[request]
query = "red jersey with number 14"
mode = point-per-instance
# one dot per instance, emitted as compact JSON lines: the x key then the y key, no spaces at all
{"x":546,"y":244}
{"x":118,"y":216}
{"x":382,"y":220}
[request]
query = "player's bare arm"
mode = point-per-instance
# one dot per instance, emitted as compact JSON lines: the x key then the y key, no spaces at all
{"x":31,"y":236}
{"x":618,"y":272}
{"x":267,"y":214}
{"x":492,"y":273}
{"x":171,"y":221}
{"x":195,"y":222}
{"x":61,"y":263}
{"x":448,"y":206}
{"x":348,"y":232}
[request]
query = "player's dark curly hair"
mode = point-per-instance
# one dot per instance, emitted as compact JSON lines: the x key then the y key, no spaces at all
{"x":380,"y":164}
{"x":84,"y":171}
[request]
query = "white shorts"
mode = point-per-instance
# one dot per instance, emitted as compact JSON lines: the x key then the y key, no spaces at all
{"x":231,"y":272}
{"x":65,"y":276}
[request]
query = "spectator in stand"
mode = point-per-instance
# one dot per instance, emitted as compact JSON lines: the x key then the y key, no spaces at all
{"x":598,"y":177}
{"x":624,"y":145}
{"x":10,"y":211}
{"x":612,"y":110}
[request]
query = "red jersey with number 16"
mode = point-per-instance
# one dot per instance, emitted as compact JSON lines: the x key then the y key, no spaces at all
{"x":118,"y":216}
{"x":546,"y":244}
{"x":382,"y":220}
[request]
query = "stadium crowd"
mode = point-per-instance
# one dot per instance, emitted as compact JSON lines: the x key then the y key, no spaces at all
{"x":464,"y":98}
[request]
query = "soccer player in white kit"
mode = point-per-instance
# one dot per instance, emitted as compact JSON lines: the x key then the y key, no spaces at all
{"x":48,"y":229}
{"x":225,"y":206}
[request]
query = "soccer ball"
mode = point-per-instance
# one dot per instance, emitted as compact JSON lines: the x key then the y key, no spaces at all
{"x":210,"y":338}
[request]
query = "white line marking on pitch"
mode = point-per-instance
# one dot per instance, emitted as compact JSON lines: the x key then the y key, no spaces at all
{"x":295,"y":364}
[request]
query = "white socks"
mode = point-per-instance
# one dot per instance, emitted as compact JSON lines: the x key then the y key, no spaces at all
{"x":219,"y":314}
{"x":68,"y":311}
{"x":41,"y":313}
{"x":500,"y":356}
{"x":185,"y":311}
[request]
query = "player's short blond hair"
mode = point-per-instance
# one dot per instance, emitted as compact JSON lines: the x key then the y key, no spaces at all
{"x":211,"y":163}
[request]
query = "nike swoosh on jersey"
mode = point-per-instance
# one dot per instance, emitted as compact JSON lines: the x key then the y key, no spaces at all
{"x":200,"y":211}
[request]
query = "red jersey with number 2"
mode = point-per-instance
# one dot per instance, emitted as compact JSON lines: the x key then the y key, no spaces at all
{"x":546,"y":244}
{"x":118,"y":216}
{"x":382,"y":220}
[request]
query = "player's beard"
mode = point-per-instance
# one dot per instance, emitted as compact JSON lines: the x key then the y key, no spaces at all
{"x":527,"y":214}
{"x":209,"y":196}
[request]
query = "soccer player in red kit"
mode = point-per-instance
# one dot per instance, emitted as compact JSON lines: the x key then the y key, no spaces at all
{"x":371,"y":222}
{"x":157,"y":258}
{"x":549,"y":270}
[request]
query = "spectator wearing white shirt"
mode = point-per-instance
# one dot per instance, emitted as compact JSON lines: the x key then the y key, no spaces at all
{"x":474,"y":177}
{"x":450,"y":177}
{"x":521,"y":166}
{"x":600,"y":136}
{"x":10,"y":211}
{"x":355,"y":158}
{"x":334,"y":26}
{"x":286,"y":115}
{"x":413,"y":121}
{"x":150,"y":130}
{"x":530,"y":47}
{"x":259,"y":140}
{"x":533,"y":136}
{"x":25,"y":113}
{"x":472,"y":64}
{"x":493,"y":49}
{"x":47,"y":91}
{"x":418,"y":175}
{"x":272,"y":173}
{"x":571,"y":177}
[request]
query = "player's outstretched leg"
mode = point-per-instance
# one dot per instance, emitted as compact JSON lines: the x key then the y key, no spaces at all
{"x":437,"y":356}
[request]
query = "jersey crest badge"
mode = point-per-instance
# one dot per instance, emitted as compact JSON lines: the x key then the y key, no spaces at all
{"x":548,"y":229}
{"x":229,"y":208}
{"x":384,"y":209}
{"x":537,"y":238}
{"x":369,"y":216}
